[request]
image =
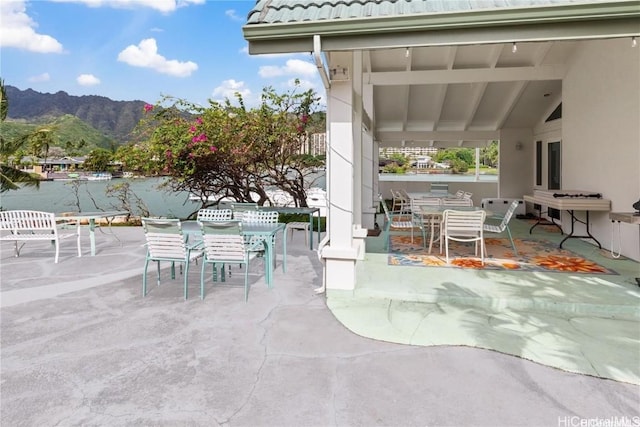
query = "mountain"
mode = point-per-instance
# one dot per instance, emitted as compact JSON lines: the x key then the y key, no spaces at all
{"x":113,"y":119}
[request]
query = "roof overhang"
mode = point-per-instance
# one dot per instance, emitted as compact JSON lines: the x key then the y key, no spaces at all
{"x":531,"y":24}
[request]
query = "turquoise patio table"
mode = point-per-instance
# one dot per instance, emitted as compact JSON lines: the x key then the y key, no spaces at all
{"x":264,"y":231}
{"x":311,"y":212}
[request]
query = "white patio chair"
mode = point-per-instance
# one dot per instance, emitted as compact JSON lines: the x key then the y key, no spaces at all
{"x":223,"y":243}
{"x":399,"y":221}
{"x":431,"y":221}
{"x":459,"y":194}
{"x":467,"y":195}
{"x":457,"y":202}
{"x":165,"y":241}
{"x":239,"y":209}
{"x":214,"y":215}
{"x":463,"y":226}
{"x":504,"y":224}
{"x":260,"y":217}
{"x":406,"y":200}
{"x":399,"y":202}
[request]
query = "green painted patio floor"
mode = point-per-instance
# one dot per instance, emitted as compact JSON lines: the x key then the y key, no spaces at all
{"x":587,"y":324}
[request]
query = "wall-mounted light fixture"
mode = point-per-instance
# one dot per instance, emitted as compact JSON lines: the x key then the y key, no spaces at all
{"x":519,"y":146}
{"x":406,"y":53}
{"x":634,"y":42}
{"x":514,"y":47}
{"x":339,"y":73}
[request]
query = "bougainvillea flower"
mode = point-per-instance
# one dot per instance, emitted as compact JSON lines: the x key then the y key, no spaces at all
{"x":213,"y":149}
{"x":148,"y":107}
{"x":192,"y":129}
{"x":168,"y":153}
{"x":199,"y":120}
{"x":199,"y":138}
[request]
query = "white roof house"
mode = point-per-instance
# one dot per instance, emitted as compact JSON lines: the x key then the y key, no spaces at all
{"x":464,"y":73}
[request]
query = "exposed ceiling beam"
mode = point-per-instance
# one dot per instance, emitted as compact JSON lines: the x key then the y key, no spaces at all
{"x":480,"y":88}
{"x":510,"y":103}
{"x":511,"y":74}
{"x":405,"y":91}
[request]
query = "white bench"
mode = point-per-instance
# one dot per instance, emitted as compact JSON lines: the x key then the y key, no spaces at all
{"x":24,"y":226}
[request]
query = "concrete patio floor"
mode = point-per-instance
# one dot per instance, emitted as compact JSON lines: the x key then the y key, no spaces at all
{"x":582,"y":323}
{"x":81,"y":346}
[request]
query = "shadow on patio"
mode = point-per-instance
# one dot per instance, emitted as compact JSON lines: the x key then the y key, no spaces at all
{"x":583,"y":323}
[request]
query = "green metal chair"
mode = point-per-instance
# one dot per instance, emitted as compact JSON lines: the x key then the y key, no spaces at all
{"x":399,"y":221}
{"x":504,"y":224}
{"x":165,"y":241}
{"x":223,"y":243}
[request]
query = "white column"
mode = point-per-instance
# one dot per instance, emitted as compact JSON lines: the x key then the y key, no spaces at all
{"x":369,"y":163}
{"x":340,"y":254}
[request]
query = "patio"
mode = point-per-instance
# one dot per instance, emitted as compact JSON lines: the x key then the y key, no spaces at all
{"x":81,"y":346}
{"x":581,"y":323}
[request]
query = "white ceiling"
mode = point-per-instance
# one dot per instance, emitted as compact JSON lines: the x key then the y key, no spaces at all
{"x":448,"y":95}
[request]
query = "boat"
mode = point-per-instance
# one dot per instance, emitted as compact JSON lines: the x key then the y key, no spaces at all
{"x":316,"y":198}
{"x":99,"y":176}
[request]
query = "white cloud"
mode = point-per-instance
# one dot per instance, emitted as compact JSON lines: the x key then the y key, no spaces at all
{"x":231,"y":13}
{"x":18,"y":30}
{"x":146,"y":55}
{"x":44,"y":77}
{"x":292,"y":67}
{"x":164,"y":6}
{"x":87,"y":80}
{"x":229,"y":88}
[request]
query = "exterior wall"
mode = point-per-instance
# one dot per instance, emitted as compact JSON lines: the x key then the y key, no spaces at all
{"x":517,"y":157}
{"x":601,"y":132}
{"x":546,"y":133}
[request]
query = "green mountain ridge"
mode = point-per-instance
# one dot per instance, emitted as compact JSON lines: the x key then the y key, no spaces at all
{"x":96,"y":120}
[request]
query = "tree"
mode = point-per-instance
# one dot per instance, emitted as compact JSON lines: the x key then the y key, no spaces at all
{"x":458,"y":158}
{"x":229,"y":151}
{"x":10,"y":176}
{"x":489,"y":155}
{"x":98,"y":160}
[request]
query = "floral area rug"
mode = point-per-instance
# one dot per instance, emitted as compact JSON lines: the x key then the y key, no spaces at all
{"x":533,"y":255}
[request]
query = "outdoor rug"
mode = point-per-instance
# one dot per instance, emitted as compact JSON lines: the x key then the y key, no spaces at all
{"x":533,"y":255}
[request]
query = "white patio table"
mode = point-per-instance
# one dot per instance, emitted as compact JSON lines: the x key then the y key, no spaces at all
{"x":426,"y":194}
{"x":90,"y":217}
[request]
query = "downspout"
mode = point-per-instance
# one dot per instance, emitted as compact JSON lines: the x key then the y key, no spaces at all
{"x":317,"y":54}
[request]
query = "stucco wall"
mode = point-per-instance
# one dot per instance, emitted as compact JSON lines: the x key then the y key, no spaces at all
{"x":517,"y":158}
{"x":601,"y":131}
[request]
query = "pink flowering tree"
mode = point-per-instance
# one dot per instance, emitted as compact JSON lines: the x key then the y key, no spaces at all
{"x":228,"y":151}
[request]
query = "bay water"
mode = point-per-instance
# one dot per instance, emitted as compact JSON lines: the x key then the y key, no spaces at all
{"x":61,"y":196}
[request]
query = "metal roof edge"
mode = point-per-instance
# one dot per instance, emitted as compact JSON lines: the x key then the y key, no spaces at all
{"x":608,"y":10}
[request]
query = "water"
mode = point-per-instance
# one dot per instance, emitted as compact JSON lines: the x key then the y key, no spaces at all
{"x":59,"y":196}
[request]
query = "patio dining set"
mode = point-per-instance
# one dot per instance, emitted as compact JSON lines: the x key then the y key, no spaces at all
{"x":221,"y":238}
{"x":444,"y":217}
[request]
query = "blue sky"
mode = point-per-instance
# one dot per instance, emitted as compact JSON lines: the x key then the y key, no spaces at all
{"x":141,"y":50}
